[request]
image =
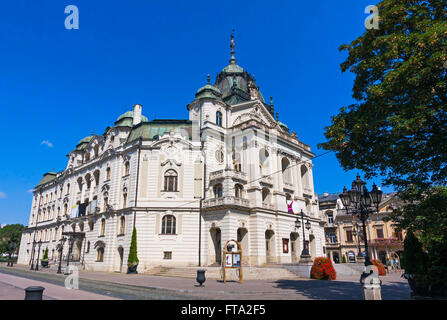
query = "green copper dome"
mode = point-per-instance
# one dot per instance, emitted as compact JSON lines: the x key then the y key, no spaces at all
{"x":126,"y":120}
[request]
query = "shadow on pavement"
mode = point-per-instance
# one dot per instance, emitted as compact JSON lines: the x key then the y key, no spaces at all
{"x":342,"y":290}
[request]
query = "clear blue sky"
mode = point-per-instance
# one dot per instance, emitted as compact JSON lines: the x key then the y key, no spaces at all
{"x":58,"y":85}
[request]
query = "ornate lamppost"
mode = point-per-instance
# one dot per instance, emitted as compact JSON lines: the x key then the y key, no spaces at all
{"x":32,"y":255}
{"x":356,"y":234}
{"x":59,"y":269}
{"x":70,"y":248}
{"x":38,"y":255}
{"x":305,"y":255}
{"x":361,"y":202}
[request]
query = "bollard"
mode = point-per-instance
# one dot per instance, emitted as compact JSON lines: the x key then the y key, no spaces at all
{"x":201,"y":277}
{"x":34,"y":293}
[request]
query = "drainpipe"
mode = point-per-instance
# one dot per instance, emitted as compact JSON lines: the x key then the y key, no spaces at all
{"x":138,"y":176}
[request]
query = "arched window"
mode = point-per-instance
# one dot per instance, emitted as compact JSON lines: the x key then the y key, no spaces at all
{"x":65,"y":208}
{"x":55,"y":234}
{"x":88,"y":180}
{"x":62,"y":232}
{"x":171,"y":181}
{"x":265,"y":195}
{"x":285,"y":163}
{"x":80,"y":184}
{"x":88,"y":247}
{"x":237,"y":162}
{"x":100,"y":254}
{"x":218,"y":191}
{"x":106,"y":201}
{"x":96,"y":150}
{"x":264,"y":161}
{"x":124,"y":200}
{"x":238,"y":191}
{"x":126,"y":168}
{"x":168,"y":225}
{"x":103,"y":227}
{"x":68,"y":188}
{"x":108,"y":174}
{"x":96,"y":176}
{"x":87,"y":157}
{"x":122,"y":225}
{"x":305,"y":176}
{"x":219,"y":118}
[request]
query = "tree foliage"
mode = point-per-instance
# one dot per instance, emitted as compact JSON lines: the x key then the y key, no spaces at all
{"x":133,"y":256}
{"x":8,"y":235}
{"x":398,"y":127}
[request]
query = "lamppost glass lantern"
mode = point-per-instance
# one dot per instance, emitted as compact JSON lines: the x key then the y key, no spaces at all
{"x":307,"y":224}
{"x":376,"y":195}
{"x":354,"y":196}
{"x":365,"y":198}
{"x":297,"y":223}
{"x":345,"y":199}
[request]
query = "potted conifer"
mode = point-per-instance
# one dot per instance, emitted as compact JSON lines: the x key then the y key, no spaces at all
{"x":44,"y":260}
{"x":132,"y":261}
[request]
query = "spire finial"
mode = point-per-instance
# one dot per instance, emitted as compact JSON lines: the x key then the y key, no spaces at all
{"x":271,"y":101}
{"x":232,"y":45}
{"x":277,"y":116}
{"x":208,"y":78}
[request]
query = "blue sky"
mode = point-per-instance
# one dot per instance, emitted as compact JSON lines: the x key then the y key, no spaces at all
{"x":58,"y":85}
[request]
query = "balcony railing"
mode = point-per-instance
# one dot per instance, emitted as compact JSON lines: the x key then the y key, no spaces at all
{"x":228,"y":173}
{"x":224,"y":201}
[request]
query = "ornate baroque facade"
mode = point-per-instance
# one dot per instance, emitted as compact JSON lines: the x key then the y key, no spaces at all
{"x":187,"y":186}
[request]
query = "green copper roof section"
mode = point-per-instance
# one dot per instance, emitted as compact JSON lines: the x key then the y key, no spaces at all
{"x":150,"y":130}
{"x":126,"y":119}
{"x":47,"y":177}
{"x":209,"y":91}
{"x":84,"y":142}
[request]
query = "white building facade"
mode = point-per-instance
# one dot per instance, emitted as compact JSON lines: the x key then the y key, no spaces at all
{"x":187,"y":186}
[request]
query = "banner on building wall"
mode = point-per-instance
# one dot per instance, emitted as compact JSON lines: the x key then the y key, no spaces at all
{"x":74,"y":211}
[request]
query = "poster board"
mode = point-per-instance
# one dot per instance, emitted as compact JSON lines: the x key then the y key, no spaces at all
{"x":232,"y":258}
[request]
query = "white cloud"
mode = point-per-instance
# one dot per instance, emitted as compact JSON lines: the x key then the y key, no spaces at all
{"x":47,"y":143}
{"x":31,"y":191}
{"x":3,"y":195}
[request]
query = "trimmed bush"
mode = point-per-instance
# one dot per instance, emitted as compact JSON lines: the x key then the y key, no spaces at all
{"x":133,"y":257}
{"x":380,"y":267}
{"x":414,"y":259}
{"x":323,"y":269}
{"x":45,"y":255}
{"x":344,"y":259}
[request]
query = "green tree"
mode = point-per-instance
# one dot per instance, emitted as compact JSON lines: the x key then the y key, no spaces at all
{"x":133,"y":257}
{"x":414,"y":259}
{"x":398,"y":127}
{"x":10,"y":234}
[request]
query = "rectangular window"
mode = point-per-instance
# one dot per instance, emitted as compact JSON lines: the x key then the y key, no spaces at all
{"x":379,"y":233}
{"x":167,"y":255}
{"x":349,"y":236}
{"x":332,"y":238}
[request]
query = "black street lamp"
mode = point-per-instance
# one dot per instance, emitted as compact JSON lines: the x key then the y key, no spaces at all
{"x":361,"y":202}
{"x":38,"y":255}
{"x":304,"y":253}
{"x":32,"y":255}
{"x":356,"y":233}
{"x":70,"y":247}
{"x":59,"y":269}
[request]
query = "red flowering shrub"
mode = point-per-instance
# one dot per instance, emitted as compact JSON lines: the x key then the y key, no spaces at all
{"x":380,"y":267}
{"x":323,"y":269}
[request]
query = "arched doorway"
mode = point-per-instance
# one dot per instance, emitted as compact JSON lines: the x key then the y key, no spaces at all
{"x":121,"y":258}
{"x":77,"y":250}
{"x":335,"y":257}
{"x":270,"y":246}
{"x":217,"y":242}
{"x":294,"y":246}
{"x":242,"y":238}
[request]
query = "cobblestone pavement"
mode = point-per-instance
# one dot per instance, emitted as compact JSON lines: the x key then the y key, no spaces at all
{"x":152,"y":287}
